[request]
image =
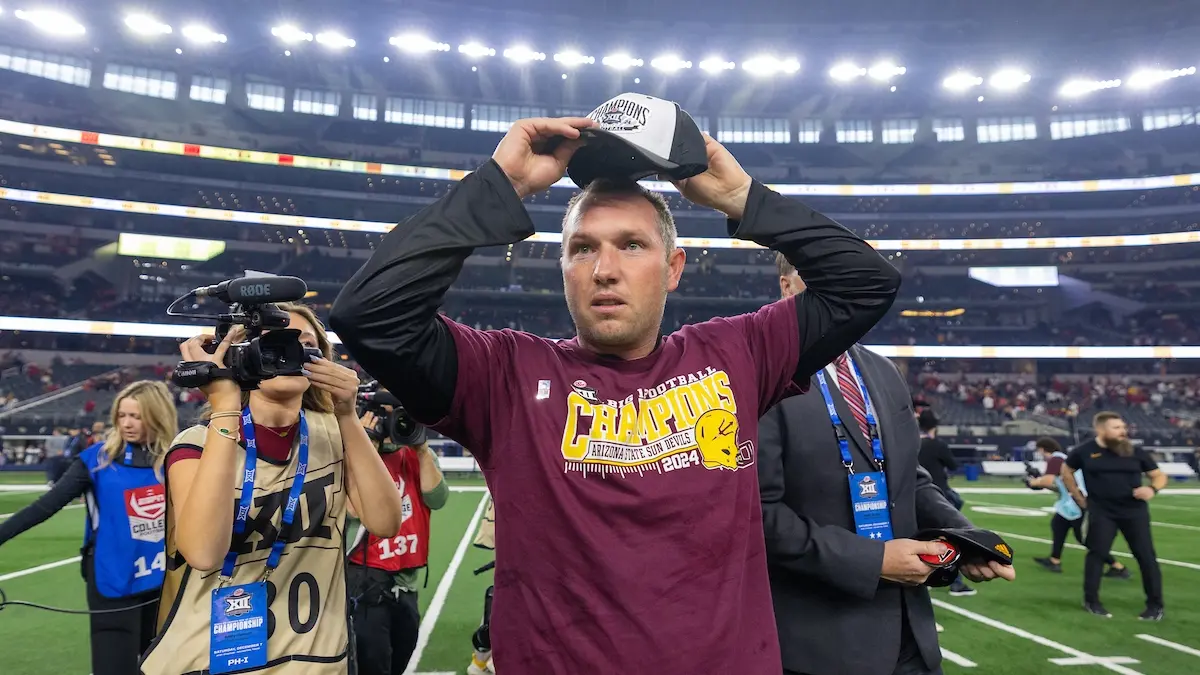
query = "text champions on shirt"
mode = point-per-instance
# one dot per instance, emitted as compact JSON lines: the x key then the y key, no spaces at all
{"x":686,"y":421}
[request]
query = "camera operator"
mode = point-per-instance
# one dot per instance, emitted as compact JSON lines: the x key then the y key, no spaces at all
{"x":382,"y":571}
{"x":255,"y":576}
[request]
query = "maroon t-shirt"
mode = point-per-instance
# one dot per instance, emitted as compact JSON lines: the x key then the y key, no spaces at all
{"x":629,"y":535}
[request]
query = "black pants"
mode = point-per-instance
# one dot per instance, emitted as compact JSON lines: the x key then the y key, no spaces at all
{"x":1134,"y":524}
{"x":385,"y":626}
{"x":119,"y":638}
{"x":1060,"y":526}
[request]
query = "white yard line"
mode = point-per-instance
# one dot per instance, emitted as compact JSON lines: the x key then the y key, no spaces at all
{"x":1169,"y":492}
{"x":468,"y":488}
{"x":1176,"y":526}
{"x":72,"y":506}
{"x":1167,"y":643}
{"x":443,"y":589}
{"x":955,"y":658}
{"x":1045,"y":642}
{"x":1039,"y":540}
{"x":1049,"y":511}
{"x":39,"y":568}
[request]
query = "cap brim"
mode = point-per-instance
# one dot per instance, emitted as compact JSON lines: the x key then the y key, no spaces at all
{"x":608,"y":155}
{"x":975,"y":545}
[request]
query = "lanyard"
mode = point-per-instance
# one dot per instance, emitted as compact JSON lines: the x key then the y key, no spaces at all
{"x":128,"y":454}
{"x":293,"y":500}
{"x":838,"y":427}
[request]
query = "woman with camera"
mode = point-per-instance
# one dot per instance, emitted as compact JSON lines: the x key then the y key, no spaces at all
{"x":256,"y":510}
{"x":123,"y":555}
{"x":382,"y":571}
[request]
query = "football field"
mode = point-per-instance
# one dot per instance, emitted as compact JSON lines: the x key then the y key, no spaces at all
{"x":1034,"y":625}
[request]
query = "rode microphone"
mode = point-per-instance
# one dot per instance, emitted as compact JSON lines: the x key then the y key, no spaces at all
{"x":255,"y":290}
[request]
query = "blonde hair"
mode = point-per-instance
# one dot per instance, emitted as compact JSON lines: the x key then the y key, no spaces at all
{"x":606,"y":191}
{"x":314,"y":399}
{"x":160,"y":421}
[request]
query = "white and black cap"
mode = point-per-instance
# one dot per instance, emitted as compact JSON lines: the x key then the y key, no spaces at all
{"x":637,"y":136}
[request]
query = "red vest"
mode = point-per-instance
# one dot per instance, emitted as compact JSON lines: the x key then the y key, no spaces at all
{"x":410,"y":548}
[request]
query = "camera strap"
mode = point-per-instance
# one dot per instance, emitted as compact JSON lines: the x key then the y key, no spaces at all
{"x":247,"y":497}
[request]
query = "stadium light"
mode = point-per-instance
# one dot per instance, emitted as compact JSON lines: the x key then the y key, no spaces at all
{"x":335,"y":40}
{"x":572,"y":58}
{"x":1008,"y":79}
{"x":846,"y":71}
{"x":621,"y":61}
{"x":670,"y":63}
{"x":523,"y":54}
{"x":143,"y":24}
{"x":289,"y":34}
{"x":1083,"y":87}
{"x":1146,"y":78}
{"x":770,"y":65}
{"x":715,"y":64}
{"x":199,"y":33}
{"x":961,"y":81}
{"x":476,"y":50}
{"x":52,"y":22}
{"x":885,"y":70}
{"x":414,"y":43}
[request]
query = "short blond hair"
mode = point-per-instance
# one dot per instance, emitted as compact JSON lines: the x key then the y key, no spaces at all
{"x":781,"y":263}
{"x":605,"y":190}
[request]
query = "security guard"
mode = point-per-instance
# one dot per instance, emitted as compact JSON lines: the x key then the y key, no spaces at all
{"x":1116,"y":500}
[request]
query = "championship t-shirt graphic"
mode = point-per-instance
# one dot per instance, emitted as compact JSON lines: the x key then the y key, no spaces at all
{"x":686,"y":421}
{"x":147,"y":510}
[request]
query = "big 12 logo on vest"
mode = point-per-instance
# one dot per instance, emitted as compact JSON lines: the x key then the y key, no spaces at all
{"x":146,"y":508}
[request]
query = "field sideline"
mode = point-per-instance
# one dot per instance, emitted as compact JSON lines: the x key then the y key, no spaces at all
{"x":1034,"y":625}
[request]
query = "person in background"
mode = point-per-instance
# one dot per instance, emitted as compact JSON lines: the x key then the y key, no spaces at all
{"x":1068,"y":517}
{"x":937,"y":458}
{"x":381,"y":572}
{"x":123,"y":554}
{"x":834,"y":578}
{"x":1116,"y":500}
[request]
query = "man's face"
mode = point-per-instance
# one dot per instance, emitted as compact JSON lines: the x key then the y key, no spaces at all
{"x":617,"y":273}
{"x":790,"y":285}
{"x":1113,"y":430}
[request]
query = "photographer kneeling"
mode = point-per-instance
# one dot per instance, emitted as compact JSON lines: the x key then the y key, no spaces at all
{"x":382,"y":571}
{"x":255,"y":573}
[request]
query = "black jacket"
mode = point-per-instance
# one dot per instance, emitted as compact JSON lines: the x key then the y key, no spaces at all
{"x":833,"y":612}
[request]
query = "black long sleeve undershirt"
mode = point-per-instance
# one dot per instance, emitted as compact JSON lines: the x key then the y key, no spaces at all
{"x":76,"y":481}
{"x":387,"y":314}
{"x":67,"y":489}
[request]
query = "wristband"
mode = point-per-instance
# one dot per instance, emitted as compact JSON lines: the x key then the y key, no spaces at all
{"x":1154,"y":488}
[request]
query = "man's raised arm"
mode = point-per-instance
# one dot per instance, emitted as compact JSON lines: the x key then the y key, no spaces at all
{"x":850,"y":286}
{"x":387,"y":314}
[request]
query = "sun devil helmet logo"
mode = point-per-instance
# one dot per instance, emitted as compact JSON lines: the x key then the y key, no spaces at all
{"x":868,"y":487}
{"x":716,"y":437}
{"x":238,"y":603}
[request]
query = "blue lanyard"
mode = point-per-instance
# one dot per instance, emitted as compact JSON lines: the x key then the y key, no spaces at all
{"x":293,"y":500}
{"x":839,"y":429}
{"x":128,"y":454}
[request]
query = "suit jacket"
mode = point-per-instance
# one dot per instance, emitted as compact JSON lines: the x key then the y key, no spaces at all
{"x":834,"y":614}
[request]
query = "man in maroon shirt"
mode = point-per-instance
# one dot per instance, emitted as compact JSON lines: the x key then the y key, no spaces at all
{"x":620,"y":460}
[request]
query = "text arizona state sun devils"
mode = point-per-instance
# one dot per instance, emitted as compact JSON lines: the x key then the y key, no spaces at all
{"x":303,"y":622}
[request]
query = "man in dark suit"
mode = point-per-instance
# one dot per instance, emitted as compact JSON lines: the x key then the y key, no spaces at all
{"x":836,"y":585}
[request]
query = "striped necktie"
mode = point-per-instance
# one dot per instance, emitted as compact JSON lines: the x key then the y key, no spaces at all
{"x":852,"y":394}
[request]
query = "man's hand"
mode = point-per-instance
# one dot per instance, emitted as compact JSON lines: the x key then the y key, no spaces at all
{"x":723,"y":187}
{"x":1144,"y":493}
{"x":987,"y":571}
{"x":528,"y":156}
{"x":901,"y":564}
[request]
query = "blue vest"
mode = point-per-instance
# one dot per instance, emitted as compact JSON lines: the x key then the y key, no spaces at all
{"x":126,"y":526}
{"x":1066,"y":506}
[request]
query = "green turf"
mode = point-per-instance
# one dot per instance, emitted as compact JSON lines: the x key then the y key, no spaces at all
{"x":1045,"y":605}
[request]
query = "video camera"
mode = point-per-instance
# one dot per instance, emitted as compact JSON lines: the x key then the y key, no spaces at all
{"x":397,"y":425}
{"x":270,"y":349}
{"x":1031,"y":472}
